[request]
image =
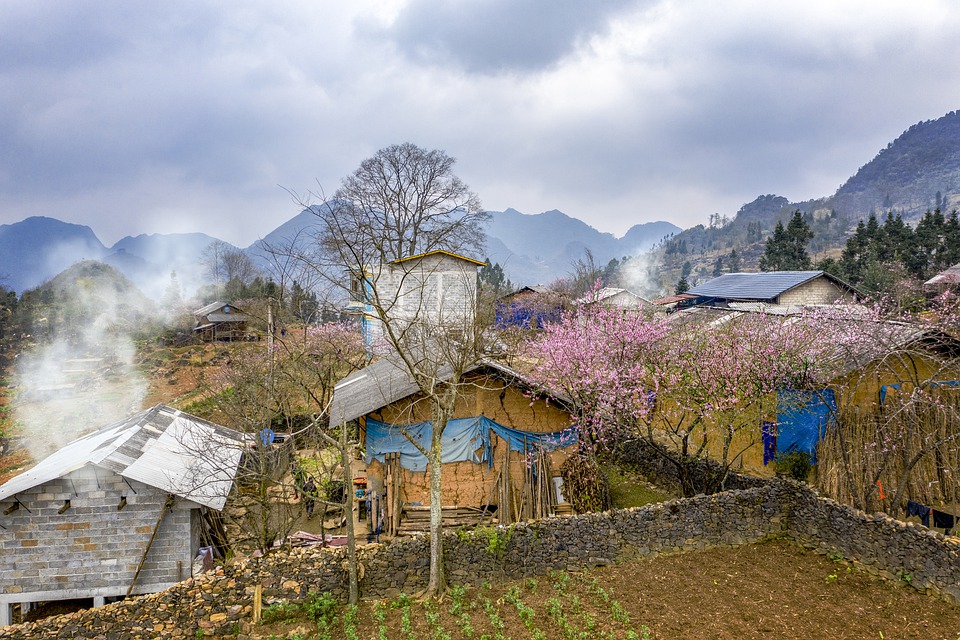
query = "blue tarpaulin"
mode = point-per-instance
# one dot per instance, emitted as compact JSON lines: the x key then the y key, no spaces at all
{"x":934,"y":384}
{"x":464,"y":439}
{"x":802,"y":419}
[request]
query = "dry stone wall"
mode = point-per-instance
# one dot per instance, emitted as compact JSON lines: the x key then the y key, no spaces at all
{"x":882,"y":545}
{"x":220,"y":603}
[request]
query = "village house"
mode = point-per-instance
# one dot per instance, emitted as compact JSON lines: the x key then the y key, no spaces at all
{"x":501,"y":452}
{"x":528,"y":307}
{"x":119,"y":511}
{"x":946,"y":280}
{"x":220,"y":321}
{"x":882,"y":358}
{"x":437,"y":288}
{"x":616,"y":298}
{"x":781,"y":288}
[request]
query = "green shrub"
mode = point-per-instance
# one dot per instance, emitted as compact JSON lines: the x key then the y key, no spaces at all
{"x":794,"y":464}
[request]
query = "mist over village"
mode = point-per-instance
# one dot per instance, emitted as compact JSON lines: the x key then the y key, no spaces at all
{"x":427,"y":319}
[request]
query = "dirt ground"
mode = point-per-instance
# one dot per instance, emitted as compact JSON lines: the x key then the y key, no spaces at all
{"x":769,"y":590}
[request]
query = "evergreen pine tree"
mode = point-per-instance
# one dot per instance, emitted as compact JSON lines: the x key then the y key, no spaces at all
{"x":786,"y":249}
{"x":733,"y":262}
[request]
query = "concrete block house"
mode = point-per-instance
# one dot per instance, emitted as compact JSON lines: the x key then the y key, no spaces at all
{"x":438,"y":288}
{"x":114,"y":513}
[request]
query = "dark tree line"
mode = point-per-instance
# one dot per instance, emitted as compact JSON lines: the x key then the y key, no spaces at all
{"x":786,"y":249}
{"x":879,"y":253}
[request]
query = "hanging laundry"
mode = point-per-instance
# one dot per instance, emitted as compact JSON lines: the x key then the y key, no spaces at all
{"x":768,"y":432}
{"x":943,"y":520}
{"x":917,"y":509}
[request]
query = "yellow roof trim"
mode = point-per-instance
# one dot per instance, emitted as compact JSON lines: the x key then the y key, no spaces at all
{"x":440,"y":251}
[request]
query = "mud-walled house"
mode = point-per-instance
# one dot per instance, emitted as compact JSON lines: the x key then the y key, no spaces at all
{"x":116,"y":512}
{"x":871,"y":365}
{"x":220,"y":321}
{"x":501,"y":453}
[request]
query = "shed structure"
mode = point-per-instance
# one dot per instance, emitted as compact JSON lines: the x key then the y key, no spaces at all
{"x":115,"y":512}
{"x":220,"y":321}
{"x":496,"y":433}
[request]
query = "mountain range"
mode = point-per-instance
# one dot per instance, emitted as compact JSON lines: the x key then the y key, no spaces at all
{"x":918,"y":170}
{"x":532,"y":249}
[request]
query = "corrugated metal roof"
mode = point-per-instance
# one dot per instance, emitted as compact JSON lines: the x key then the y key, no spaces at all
{"x":210,"y":308}
{"x":214,"y":309}
{"x":373,"y":387}
{"x":668,"y":300}
{"x":533,"y":288}
{"x":872,"y":338}
{"x":948,"y":276}
{"x":227,"y":317}
{"x":162,"y":447}
{"x":385,"y":382}
{"x":759,"y":286}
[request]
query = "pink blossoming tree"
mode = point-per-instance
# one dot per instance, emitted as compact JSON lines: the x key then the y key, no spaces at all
{"x":688,"y":383}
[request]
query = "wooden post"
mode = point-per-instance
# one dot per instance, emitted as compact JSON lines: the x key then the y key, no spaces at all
{"x":257,"y":602}
{"x":143,"y":558}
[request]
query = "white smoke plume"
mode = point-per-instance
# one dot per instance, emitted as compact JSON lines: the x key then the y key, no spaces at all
{"x":640,"y":274}
{"x":84,"y":377}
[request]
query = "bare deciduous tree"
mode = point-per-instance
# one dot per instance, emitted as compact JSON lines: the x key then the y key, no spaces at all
{"x":403,"y":202}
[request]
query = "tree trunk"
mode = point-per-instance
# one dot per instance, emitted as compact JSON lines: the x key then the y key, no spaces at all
{"x":438,"y":577}
{"x":354,"y":594}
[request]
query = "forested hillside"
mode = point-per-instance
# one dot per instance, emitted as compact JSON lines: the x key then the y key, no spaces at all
{"x":909,"y":181}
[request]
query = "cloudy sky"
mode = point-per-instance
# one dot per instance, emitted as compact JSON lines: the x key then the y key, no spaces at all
{"x":176,"y":116}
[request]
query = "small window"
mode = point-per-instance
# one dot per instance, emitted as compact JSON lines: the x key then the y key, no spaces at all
{"x":356,"y":289}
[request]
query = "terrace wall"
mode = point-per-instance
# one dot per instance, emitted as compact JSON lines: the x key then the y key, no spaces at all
{"x":220,"y":603}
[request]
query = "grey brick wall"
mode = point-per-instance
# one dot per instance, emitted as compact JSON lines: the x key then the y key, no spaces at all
{"x":91,"y":548}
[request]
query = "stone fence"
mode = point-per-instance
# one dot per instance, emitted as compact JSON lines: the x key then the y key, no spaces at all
{"x":220,"y":603}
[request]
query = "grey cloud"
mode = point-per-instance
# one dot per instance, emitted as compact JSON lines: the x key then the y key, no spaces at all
{"x":491,"y":36}
{"x":193,"y":112}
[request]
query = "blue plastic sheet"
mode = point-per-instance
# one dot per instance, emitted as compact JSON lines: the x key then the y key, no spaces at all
{"x":802,"y":419}
{"x":464,"y":439}
{"x":934,"y":384}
